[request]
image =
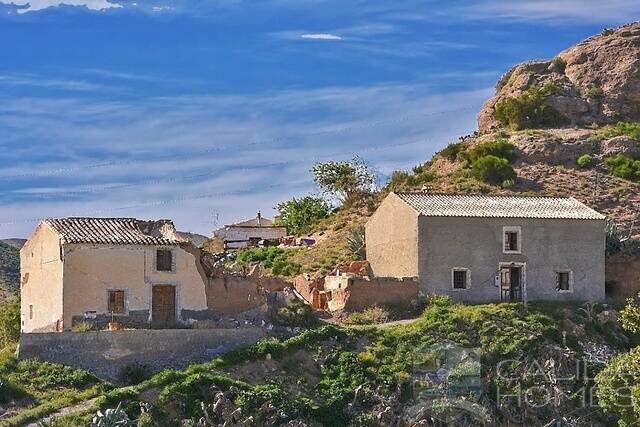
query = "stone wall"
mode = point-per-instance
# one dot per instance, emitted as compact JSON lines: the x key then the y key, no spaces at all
{"x":106,"y":354}
{"x":234,"y":294}
{"x":357,"y":294}
{"x":623,"y":275}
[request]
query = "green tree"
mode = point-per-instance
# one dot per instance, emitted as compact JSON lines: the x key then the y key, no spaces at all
{"x":299,"y":215}
{"x":349,"y":180}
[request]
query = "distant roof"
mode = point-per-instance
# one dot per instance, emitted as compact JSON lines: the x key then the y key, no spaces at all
{"x":258,"y":221}
{"x":117,"y":231}
{"x":463,"y":205}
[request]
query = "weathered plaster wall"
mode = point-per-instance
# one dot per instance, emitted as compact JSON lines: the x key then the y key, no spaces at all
{"x":41,"y":281}
{"x":547,"y":246}
{"x":92,"y":270}
{"x":392,"y":239}
{"x":106,"y":354}
{"x":623,"y":274}
{"x":235,"y":294}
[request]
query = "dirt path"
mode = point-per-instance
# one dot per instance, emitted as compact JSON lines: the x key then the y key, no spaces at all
{"x":69,"y":410}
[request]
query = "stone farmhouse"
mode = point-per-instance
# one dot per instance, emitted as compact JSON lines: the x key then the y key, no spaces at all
{"x":249,"y":232}
{"x":481,"y":248}
{"x":77,"y":269}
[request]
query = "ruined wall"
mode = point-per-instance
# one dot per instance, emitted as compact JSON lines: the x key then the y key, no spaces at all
{"x":41,"y":281}
{"x":234,"y":294}
{"x":90,"y":271}
{"x":106,"y":354}
{"x":392,"y":239}
{"x":361,"y":293}
{"x":623,"y":275}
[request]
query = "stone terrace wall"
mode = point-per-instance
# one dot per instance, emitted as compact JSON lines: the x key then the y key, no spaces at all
{"x":106,"y":353}
{"x":623,"y":275}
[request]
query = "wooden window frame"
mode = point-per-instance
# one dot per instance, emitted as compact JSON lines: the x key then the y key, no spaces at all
{"x":125,"y":305}
{"x":157,"y":260}
{"x":512,"y":229}
{"x":467,"y":272}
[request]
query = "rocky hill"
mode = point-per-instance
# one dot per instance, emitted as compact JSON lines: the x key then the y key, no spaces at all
{"x":9,"y":270}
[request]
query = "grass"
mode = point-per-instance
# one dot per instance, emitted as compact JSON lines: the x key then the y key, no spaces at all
{"x":274,"y":259}
{"x":630,"y":129}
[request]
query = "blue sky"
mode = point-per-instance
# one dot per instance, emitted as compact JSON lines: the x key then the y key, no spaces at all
{"x":208,"y":111}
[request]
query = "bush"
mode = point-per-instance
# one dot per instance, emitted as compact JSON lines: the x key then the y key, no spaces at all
{"x":135,"y":373}
{"x":403,"y":180}
{"x":451,"y":151}
{"x":299,"y":215}
{"x":623,"y":166}
{"x":493,"y":170}
{"x":501,"y":148}
{"x":529,"y":110}
{"x":618,"y":387}
{"x":595,"y":92}
{"x":630,"y":129}
{"x":585,"y":161}
{"x":369,"y":316}
{"x":9,"y":321}
{"x":297,"y":313}
{"x":274,"y":258}
{"x":560,"y":63}
{"x":83,"y":327}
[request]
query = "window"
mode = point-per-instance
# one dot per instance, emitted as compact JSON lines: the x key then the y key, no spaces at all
{"x":460,"y":278}
{"x":116,"y":303}
{"x":164,"y":260}
{"x":30,"y":311}
{"x":563,"y":281}
{"x":511,"y":240}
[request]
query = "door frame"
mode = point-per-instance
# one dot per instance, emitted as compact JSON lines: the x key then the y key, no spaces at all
{"x":175,"y":300}
{"x":523,"y":279}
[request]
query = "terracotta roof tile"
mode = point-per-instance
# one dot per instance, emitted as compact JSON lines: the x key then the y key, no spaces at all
{"x":117,"y":231}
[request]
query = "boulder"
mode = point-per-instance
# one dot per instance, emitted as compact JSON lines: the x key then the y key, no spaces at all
{"x":620,"y":145}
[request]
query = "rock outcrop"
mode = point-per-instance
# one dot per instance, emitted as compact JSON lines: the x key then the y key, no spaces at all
{"x":596,"y":81}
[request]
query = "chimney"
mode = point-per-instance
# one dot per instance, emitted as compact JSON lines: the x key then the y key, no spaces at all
{"x":259,"y":218}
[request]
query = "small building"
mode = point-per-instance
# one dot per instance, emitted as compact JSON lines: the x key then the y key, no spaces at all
{"x":481,"y":248}
{"x":103,"y":269}
{"x":250,"y":232}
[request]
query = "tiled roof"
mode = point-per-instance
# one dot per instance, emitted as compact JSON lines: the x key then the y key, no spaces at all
{"x":463,"y":205}
{"x":117,"y":231}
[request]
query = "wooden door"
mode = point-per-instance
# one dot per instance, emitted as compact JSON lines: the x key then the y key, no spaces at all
{"x":163,"y":305}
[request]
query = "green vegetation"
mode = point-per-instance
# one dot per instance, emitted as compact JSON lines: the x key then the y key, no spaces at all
{"x":300,"y":215}
{"x":9,"y":268}
{"x":9,"y":322}
{"x":630,"y":129}
{"x":350,"y":181}
{"x":560,"y":63}
{"x":619,"y":382}
{"x":357,"y":243}
{"x":529,"y":110}
{"x":273,"y":258}
{"x":403,"y":180}
{"x":297,"y":313}
{"x":451,"y":151}
{"x":595,"y":92}
{"x":501,"y":148}
{"x":585,"y":161}
{"x":623,"y":167}
{"x":369,"y":316}
{"x":493,"y":170}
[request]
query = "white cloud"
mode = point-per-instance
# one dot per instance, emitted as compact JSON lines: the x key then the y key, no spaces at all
{"x":320,"y":36}
{"x":25,"y":6}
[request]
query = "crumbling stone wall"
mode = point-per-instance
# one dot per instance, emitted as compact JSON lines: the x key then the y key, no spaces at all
{"x":623,"y":275}
{"x":356,"y":293}
{"x":106,"y":354}
{"x":227,"y":294}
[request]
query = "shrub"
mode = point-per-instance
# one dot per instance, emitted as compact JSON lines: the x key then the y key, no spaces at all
{"x":618,"y":387}
{"x":369,"y":316}
{"x":501,"y":148}
{"x":560,"y":63}
{"x":623,"y":166}
{"x":356,"y":243}
{"x":299,"y":215}
{"x":451,"y":151}
{"x":9,"y":321}
{"x":295,"y":314}
{"x":529,"y":110}
{"x":585,"y":161}
{"x":630,"y":129}
{"x":135,"y":373}
{"x":493,"y":170}
{"x":83,"y":327}
{"x":595,"y":92}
